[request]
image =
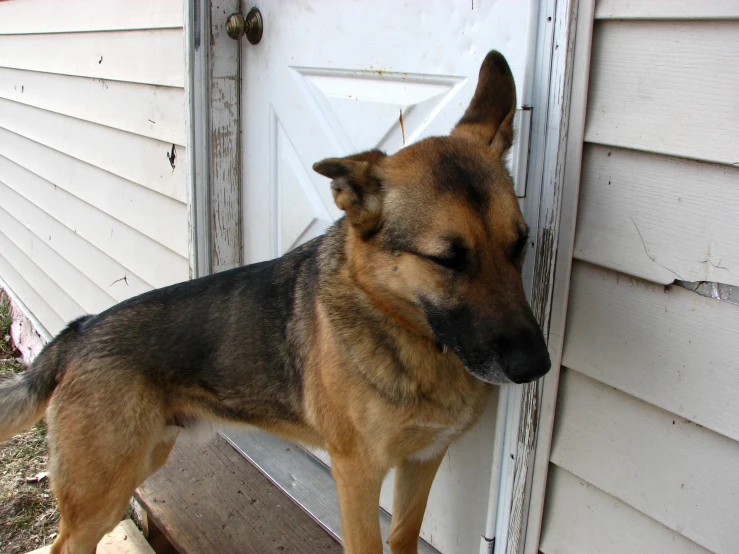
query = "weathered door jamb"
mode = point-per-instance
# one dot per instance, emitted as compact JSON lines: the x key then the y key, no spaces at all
{"x":526,"y":453}
{"x":212,"y":103}
{"x":569,"y":164}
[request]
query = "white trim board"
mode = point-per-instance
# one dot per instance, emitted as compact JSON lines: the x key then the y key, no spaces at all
{"x":551,"y":100}
{"x":570,"y":183}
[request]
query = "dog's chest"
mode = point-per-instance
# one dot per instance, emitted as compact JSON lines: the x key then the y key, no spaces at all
{"x":440,"y":439}
{"x":417,"y":410}
{"x":449,"y":408}
{"x":430,"y":437}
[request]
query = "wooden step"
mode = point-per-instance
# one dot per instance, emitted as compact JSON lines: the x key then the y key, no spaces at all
{"x":209,"y":499}
{"x":124,"y":539}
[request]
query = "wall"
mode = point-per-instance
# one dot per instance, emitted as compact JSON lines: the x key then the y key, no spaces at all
{"x":645,"y":447}
{"x":91,"y":107}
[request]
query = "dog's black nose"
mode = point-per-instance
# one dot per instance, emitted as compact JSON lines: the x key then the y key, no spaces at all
{"x":522,"y":367}
{"x":525,"y":355}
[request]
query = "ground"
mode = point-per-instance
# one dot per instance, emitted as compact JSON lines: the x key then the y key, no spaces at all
{"x":28,"y":516}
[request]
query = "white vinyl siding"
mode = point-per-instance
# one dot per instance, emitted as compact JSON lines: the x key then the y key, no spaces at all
{"x":151,"y":57}
{"x":658,"y":217}
{"x":144,"y":110}
{"x":582,"y":519}
{"x":665,"y":86}
{"x":91,"y":104}
{"x":645,"y":447}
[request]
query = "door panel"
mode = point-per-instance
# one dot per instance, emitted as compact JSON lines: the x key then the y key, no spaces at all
{"x":332,"y":78}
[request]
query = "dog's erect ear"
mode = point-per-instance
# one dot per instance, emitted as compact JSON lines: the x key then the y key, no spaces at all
{"x":489,"y":117}
{"x":357,"y":187}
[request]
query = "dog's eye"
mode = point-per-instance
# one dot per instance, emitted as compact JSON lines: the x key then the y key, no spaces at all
{"x":456,"y":263}
{"x":519,"y":246}
{"x":456,"y":260}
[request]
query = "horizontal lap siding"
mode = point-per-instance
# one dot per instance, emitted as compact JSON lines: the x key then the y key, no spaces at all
{"x":646,"y":442}
{"x":57,"y":299}
{"x":139,"y":159}
{"x":147,"y":110}
{"x":582,"y":519}
{"x":667,"y":467}
{"x":141,"y":255}
{"x":159,"y":217}
{"x":666,"y":9}
{"x":31,"y":297}
{"x":658,"y":217}
{"x":667,"y":87}
{"x":668,"y":346}
{"x":100,"y":268}
{"x":647,"y":412}
{"x":45,"y":16}
{"x":91,"y":106}
{"x":151,"y":57}
{"x":75,"y":284}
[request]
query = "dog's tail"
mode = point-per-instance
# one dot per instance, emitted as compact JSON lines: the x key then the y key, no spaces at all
{"x":24,"y":396}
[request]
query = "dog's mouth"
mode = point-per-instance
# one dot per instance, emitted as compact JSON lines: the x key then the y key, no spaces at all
{"x":490,"y":351}
{"x":496,"y":370}
{"x":491,"y":371}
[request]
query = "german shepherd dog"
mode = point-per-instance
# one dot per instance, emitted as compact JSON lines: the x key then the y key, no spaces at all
{"x":379,"y":341}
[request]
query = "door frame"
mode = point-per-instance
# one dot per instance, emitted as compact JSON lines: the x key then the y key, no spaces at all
{"x":523,"y":433}
{"x":570,"y":166}
{"x":525,"y":414}
{"x":212,"y":116}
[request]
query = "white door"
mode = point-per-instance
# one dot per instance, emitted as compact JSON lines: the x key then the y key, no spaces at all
{"x":330,"y":78}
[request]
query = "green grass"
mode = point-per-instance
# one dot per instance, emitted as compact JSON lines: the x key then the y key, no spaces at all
{"x":7,"y":348}
{"x":5,"y":316}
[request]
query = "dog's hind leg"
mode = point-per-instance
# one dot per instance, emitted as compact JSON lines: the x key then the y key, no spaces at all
{"x":413,"y":481}
{"x":106,"y":436}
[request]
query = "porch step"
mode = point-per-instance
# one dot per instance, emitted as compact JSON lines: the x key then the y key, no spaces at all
{"x":209,"y":499}
{"x":124,"y":539}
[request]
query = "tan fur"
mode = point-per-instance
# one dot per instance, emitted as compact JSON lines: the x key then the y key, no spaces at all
{"x":106,"y":435}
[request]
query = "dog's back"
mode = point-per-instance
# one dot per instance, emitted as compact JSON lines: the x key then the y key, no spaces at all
{"x":191,"y":337}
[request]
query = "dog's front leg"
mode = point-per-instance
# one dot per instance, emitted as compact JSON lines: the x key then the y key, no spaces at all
{"x":358,"y":484}
{"x":413,"y":481}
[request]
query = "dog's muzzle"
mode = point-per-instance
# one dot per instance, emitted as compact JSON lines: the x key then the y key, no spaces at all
{"x":496,"y":352}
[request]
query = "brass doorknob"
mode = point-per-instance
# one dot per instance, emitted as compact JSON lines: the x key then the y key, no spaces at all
{"x":250,"y":26}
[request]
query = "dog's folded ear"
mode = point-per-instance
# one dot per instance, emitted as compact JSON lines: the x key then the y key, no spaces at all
{"x":357,"y":187}
{"x":489,"y":117}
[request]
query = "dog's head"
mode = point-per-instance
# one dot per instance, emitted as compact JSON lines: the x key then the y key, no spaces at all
{"x":438,"y":240}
